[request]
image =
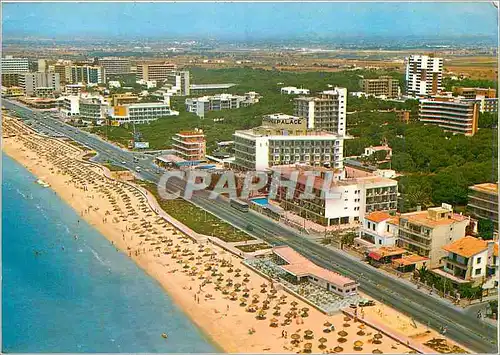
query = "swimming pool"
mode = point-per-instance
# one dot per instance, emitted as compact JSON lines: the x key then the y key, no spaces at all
{"x":261,"y":201}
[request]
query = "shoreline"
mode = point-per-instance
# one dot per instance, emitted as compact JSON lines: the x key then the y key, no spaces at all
{"x":226,"y":329}
{"x":140,"y":264}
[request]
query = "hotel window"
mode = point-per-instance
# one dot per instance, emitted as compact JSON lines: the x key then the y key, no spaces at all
{"x":478,"y":260}
{"x":477,"y":271}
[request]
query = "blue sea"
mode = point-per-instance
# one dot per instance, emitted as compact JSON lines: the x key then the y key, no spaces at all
{"x":61,"y":294}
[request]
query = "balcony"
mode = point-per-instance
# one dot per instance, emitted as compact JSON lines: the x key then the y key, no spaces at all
{"x":409,"y":240}
{"x":456,"y":263}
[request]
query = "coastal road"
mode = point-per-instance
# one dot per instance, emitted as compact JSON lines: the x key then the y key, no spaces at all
{"x":462,"y":326}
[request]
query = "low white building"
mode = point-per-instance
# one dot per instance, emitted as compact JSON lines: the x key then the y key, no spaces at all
{"x":292,"y":90}
{"x":140,"y":112}
{"x":150,"y":84}
{"x":201,"y":105}
{"x":373,"y":149}
{"x":114,"y":84}
{"x":378,"y":229}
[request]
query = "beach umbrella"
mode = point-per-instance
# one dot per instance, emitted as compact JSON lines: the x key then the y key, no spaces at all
{"x":295,"y":336}
{"x":346,"y":325}
{"x":307,"y":347}
{"x":338,"y":349}
{"x":294,"y":303}
{"x":358,"y":344}
{"x":378,"y":336}
{"x":361,"y":326}
{"x":341,"y":340}
{"x":342,"y":333}
{"x":305,"y":309}
{"x":274,"y":323}
{"x":347,"y":318}
{"x":262,"y":314}
{"x":377,"y":351}
{"x":327,"y":324}
{"x":308,"y":334}
{"x":322,"y":342}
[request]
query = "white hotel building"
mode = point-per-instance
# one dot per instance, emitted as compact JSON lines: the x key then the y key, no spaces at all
{"x":350,"y":199}
{"x":140,"y":113}
{"x":283,"y":140}
{"x":326,"y":111}
{"x":11,"y":65}
{"x":201,"y":105}
{"x":424,"y":75}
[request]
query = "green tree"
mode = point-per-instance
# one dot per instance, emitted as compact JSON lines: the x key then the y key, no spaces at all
{"x":488,"y":120}
{"x":485,"y":228}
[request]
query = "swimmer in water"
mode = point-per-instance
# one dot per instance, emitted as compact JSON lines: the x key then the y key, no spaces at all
{"x":76,"y":237}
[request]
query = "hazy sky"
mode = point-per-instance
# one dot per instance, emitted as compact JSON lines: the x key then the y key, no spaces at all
{"x":248,"y":20}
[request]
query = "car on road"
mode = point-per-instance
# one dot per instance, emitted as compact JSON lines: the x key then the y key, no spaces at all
{"x":124,"y":162}
{"x":138,"y":169}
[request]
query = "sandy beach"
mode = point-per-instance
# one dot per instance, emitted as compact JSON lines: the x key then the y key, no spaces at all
{"x":213,"y":287}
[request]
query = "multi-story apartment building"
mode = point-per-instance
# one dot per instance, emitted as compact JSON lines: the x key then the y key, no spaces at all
{"x":201,"y":105}
{"x":179,"y":82}
{"x":469,"y":260}
{"x":42,"y":66}
{"x":31,"y":81}
{"x":378,"y":229}
{"x":139,"y":113}
{"x":11,"y":70}
{"x":11,"y":65}
{"x":454,"y":115}
{"x":286,"y":143}
{"x":190,"y":145}
{"x":64,"y":71}
{"x":44,"y":92}
{"x":426,"y":232}
{"x":93,"y":109}
{"x":384,"y":86}
{"x":158,"y":71}
{"x":348,"y":200}
{"x":424,"y":75}
{"x":472,"y":93}
{"x":88,"y":74}
{"x":115,"y":65}
{"x":485,"y":104}
{"x":483,"y":202}
{"x":74,"y":89}
{"x":70,"y":105}
{"x":326,"y":112}
{"x":11,"y":79}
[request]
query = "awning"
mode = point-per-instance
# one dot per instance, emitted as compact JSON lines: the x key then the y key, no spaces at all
{"x":375,"y":256}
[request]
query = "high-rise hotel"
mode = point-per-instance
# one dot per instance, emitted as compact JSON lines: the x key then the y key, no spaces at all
{"x":424,"y":75}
